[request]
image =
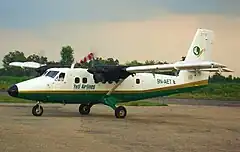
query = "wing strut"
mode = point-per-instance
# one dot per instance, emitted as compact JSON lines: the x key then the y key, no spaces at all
{"x":111,"y":101}
{"x":115,"y":87}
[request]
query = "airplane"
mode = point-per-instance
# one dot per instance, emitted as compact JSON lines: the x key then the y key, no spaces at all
{"x":110,"y":85}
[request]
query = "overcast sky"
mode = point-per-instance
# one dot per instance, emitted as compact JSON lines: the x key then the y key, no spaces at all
{"x":126,"y":29}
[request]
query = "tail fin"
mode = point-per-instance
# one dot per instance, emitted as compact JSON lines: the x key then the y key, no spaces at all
{"x":200,"y":50}
{"x":201,"y":47}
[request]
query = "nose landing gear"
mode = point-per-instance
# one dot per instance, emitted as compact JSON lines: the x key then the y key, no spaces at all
{"x":37,"y":110}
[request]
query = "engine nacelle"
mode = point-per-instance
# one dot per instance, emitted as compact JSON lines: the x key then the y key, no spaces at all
{"x":108,"y":73}
{"x":98,"y":77}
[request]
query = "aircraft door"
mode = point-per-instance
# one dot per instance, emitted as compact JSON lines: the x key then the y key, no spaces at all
{"x":137,"y":86}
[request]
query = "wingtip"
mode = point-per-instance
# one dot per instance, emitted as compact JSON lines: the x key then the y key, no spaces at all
{"x":218,"y":65}
{"x":228,"y":70}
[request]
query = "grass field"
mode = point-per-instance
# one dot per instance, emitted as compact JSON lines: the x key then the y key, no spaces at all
{"x":215,"y":91}
{"x":6,"y":81}
{"x":9,"y":99}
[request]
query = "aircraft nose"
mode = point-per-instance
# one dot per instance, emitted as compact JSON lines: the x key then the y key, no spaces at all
{"x":13,"y":91}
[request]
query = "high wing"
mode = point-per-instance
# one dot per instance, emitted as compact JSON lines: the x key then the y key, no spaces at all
{"x":182,"y":65}
{"x":39,"y":68}
{"x":33,"y":65}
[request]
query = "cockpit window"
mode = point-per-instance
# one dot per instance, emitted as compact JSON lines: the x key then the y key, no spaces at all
{"x":52,"y":74}
{"x":61,"y":76}
{"x":45,"y":73}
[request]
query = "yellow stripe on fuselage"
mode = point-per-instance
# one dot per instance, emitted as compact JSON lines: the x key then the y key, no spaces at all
{"x":186,"y":85}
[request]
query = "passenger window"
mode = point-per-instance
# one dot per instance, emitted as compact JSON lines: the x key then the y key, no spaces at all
{"x":61,"y":76}
{"x":137,"y":81}
{"x":77,"y":80}
{"x":84,"y":80}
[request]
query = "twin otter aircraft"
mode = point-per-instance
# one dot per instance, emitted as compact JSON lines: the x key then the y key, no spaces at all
{"x":110,"y":85}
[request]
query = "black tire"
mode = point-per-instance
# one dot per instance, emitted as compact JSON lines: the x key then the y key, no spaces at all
{"x":120,"y":112}
{"x":84,"y":109}
{"x":37,"y":110}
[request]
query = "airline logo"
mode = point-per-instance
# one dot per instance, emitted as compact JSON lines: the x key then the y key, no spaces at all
{"x":197,"y":51}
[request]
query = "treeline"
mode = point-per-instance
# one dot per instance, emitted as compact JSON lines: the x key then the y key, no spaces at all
{"x":218,"y":78}
{"x":67,"y":58}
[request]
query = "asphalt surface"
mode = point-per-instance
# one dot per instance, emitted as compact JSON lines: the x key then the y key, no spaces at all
{"x":174,"y":128}
{"x":3,"y":92}
{"x":197,"y":102}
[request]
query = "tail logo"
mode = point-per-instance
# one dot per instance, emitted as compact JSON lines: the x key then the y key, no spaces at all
{"x":197,"y":51}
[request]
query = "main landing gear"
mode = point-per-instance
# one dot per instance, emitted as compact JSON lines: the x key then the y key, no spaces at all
{"x":37,"y":110}
{"x":84,"y":109}
{"x":120,"y":112}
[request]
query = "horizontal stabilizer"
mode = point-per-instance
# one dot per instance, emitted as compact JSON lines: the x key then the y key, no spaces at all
{"x":183,"y":65}
{"x":33,"y":65}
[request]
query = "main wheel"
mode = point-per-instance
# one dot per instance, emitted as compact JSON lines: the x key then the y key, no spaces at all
{"x":84,"y":109}
{"x":120,"y":112}
{"x":37,"y":110}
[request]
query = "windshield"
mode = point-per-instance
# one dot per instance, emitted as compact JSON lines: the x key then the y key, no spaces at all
{"x":52,"y":74}
{"x":44,"y":73}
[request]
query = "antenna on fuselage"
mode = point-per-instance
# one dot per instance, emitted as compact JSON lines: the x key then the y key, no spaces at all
{"x":72,"y":66}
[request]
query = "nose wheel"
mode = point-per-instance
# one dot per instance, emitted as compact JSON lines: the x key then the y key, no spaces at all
{"x":37,"y":110}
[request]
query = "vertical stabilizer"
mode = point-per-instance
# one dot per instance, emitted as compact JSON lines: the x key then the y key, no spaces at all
{"x":201,"y":46}
{"x":199,"y":50}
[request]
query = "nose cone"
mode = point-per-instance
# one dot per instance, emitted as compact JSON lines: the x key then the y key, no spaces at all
{"x":13,"y":91}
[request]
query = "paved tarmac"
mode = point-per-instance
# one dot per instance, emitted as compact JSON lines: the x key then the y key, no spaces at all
{"x":174,"y":128}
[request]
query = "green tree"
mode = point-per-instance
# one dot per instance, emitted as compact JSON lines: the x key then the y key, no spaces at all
{"x":229,"y":78}
{"x":218,"y":78}
{"x":67,"y":55}
{"x":111,"y":61}
{"x":150,"y":62}
{"x":37,"y":58}
{"x":14,"y":56}
{"x":134,"y":63}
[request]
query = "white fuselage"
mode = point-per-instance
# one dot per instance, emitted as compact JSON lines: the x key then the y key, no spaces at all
{"x":138,"y":82}
{"x":78,"y":84}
